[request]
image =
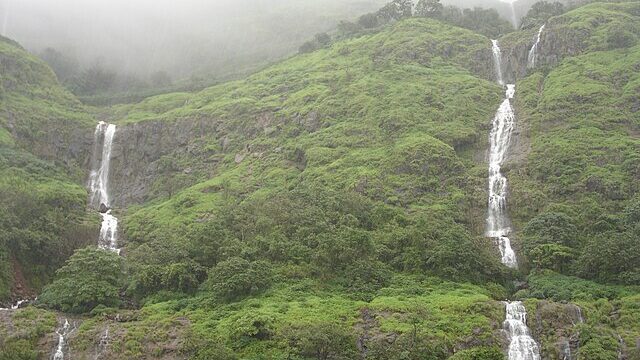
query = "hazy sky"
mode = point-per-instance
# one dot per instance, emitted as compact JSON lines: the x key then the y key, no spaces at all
{"x":173,"y":35}
{"x":178,"y":36}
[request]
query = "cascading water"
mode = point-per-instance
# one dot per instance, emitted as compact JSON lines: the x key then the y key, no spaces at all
{"x":500,"y":138}
{"x":514,"y":17}
{"x":15,"y":306}
{"x":63,"y":333}
{"x":497,"y":61}
{"x":521,"y":346}
{"x":102,"y":345}
{"x":99,"y":186}
{"x":531,"y":58}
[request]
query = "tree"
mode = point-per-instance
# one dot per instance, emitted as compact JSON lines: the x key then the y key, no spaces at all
{"x":90,"y":277}
{"x":550,"y":228}
{"x":395,"y":10}
{"x":429,"y":8}
{"x":64,"y":66}
{"x":236,"y":278}
{"x":551,"y":256}
{"x":540,"y":12}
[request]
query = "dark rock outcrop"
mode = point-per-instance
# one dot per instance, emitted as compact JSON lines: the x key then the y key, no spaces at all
{"x":147,"y":151}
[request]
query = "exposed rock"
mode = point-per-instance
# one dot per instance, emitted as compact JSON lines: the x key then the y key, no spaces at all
{"x":103,"y":208}
{"x":138,"y":149}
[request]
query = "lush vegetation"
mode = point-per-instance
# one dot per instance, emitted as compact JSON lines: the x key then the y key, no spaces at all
{"x":42,"y":211}
{"x":342,"y":214}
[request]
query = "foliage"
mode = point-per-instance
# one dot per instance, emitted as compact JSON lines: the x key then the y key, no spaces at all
{"x":540,"y":12}
{"x":428,"y":8}
{"x":320,"y":341}
{"x":91,"y":277}
{"x":480,"y":353}
{"x":236,"y":277}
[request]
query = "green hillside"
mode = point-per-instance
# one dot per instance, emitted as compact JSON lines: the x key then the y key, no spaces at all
{"x":42,"y":199}
{"x":332,"y":206}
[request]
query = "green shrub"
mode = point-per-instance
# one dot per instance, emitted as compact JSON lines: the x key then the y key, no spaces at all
{"x":90,"y":277}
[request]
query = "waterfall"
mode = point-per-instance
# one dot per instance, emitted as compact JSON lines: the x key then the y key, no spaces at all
{"x":15,"y":306}
{"x":497,"y":61}
{"x":521,"y":346}
{"x":102,"y":345}
{"x":514,"y":18}
{"x":99,"y":186}
{"x":500,"y":138}
{"x":531,"y":59}
{"x":63,"y":334}
{"x":565,"y":349}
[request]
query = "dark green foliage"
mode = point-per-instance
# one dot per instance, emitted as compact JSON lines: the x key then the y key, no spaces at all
{"x":320,"y":41}
{"x":483,"y":21}
{"x":550,"y":285}
{"x":429,"y":8}
{"x":612,"y":257}
{"x":91,"y":277}
{"x":236,"y":278}
{"x":321,"y":341}
{"x":540,"y":12}
{"x":480,"y":353}
{"x":17,"y":350}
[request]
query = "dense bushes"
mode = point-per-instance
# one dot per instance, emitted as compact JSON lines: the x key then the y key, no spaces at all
{"x":91,"y":277}
{"x":236,"y":277}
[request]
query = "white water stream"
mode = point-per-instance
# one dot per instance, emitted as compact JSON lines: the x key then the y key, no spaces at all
{"x":521,"y":346}
{"x":63,"y":334}
{"x":531,"y":58}
{"x":500,"y":139}
{"x":99,"y":186}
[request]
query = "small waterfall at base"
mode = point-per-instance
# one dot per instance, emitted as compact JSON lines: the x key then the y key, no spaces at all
{"x":99,"y":186}
{"x":521,"y":346}
{"x":531,"y":58}
{"x":62,"y":348}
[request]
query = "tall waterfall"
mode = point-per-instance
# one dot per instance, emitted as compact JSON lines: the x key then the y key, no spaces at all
{"x":500,"y":138}
{"x":521,"y":346}
{"x":514,"y":18}
{"x":531,"y":58}
{"x":99,"y":186}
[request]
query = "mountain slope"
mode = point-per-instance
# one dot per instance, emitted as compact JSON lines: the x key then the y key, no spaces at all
{"x":42,"y":158}
{"x":332,"y":205}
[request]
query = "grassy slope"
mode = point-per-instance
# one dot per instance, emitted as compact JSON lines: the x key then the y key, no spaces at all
{"x":584,"y":125}
{"x":398,"y":113}
{"x":383,"y":106}
{"x":42,"y":202}
{"x":388,"y":130}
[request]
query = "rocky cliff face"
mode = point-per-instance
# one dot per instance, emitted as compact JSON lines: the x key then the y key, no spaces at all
{"x":554,"y":326}
{"x":147,"y":151}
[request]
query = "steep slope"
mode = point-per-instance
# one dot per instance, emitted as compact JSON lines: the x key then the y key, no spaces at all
{"x":43,"y":150}
{"x":333,"y":205}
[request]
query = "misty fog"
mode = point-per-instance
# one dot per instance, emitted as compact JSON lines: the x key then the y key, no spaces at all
{"x":184,"y":37}
{"x":180,"y":37}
